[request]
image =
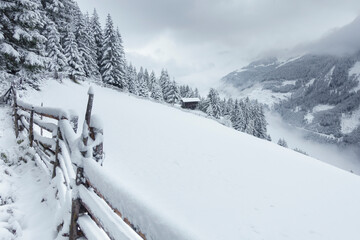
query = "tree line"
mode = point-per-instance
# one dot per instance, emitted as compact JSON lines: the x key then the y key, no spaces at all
{"x":55,"y":36}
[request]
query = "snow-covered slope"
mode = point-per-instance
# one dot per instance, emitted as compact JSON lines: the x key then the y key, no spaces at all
{"x":203,"y":180}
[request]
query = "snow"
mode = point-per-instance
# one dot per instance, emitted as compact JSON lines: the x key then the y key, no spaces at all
{"x":349,"y":122}
{"x":355,"y":70}
{"x":186,"y":100}
{"x":309,"y":117}
{"x":322,"y":107}
{"x":289,"y":61}
{"x":112,"y":223}
{"x":311,"y":82}
{"x":208,"y":181}
{"x":8,"y":49}
{"x":25,"y":188}
{"x":328,"y":76}
{"x":264,"y":96}
{"x":288,"y":82}
{"x":92,"y":231}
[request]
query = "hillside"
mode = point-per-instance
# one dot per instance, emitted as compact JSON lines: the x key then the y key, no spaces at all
{"x":183,"y":176}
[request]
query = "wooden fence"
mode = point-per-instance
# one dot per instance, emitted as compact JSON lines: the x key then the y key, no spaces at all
{"x":62,"y":154}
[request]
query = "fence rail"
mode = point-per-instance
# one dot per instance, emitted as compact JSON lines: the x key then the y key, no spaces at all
{"x":61,"y":154}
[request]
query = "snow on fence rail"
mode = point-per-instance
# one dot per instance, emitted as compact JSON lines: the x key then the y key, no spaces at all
{"x":82,"y":207}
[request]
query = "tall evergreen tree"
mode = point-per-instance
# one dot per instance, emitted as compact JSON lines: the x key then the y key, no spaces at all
{"x":122,"y":61}
{"x":98,"y":35}
{"x":111,"y":58}
{"x":213,"y":103}
{"x":22,"y":45}
{"x":142,"y":85}
{"x":85,"y":42}
{"x":54,"y":50}
{"x":72,"y":55}
{"x":132,"y":79}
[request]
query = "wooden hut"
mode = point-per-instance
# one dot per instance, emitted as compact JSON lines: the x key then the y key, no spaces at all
{"x":190,"y":103}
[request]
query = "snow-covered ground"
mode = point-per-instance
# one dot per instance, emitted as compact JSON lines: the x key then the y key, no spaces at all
{"x":349,"y":122}
{"x":203,"y":180}
{"x":25,"y":212}
{"x":256,"y":92}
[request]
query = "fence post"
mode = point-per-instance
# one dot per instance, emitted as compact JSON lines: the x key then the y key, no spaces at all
{"x":31,"y":127}
{"x":57,"y":150}
{"x":89,"y":106}
{"x":16,"y":116}
{"x":76,"y":204}
{"x":41,"y":117}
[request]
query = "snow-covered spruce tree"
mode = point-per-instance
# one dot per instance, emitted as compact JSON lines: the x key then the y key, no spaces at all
{"x":72,"y":55}
{"x":111,"y":58}
{"x":92,"y":46}
{"x":142,"y":88}
{"x":61,"y":12}
{"x":171,"y":92}
{"x":152,"y":81}
{"x":213,"y":102}
{"x":22,"y":44}
{"x":147,"y":79}
{"x":54,"y":50}
{"x":122,"y":61}
{"x":156,"y":92}
{"x":164,"y":81}
{"x":260,"y":121}
{"x":85,"y":43}
{"x":282,"y":142}
{"x":131,"y":76}
{"x":98,"y":35}
{"x":237,"y":117}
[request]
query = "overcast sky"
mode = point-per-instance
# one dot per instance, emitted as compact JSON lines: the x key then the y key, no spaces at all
{"x":199,"y":41}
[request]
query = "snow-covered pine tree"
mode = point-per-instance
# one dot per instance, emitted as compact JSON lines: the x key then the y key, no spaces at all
{"x":85,"y":43}
{"x":142,"y":87}
{"x":171,"y":92}
{"x":92,"y":47}
{"x":131,"y":79}
{"x":122,"y":61}
{"x":282,"y":142}
{"x":72,"y":55}
{"x":156,"y":92}
{"x":54,"y":50}
{"x":61,"y":12}
{"x":164,"y":81}
{"x":260,"y":121}
{"x":147,"y":79}
{"x":98,"y":35}
{"x":152,"y":82}
{"x":237,"y":117}
{"x":110,"y":62}
{"x":213,"y":102}
{"x":22,"y":45}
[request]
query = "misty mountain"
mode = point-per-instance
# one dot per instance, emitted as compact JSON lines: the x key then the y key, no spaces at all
{"x":317,"y":92}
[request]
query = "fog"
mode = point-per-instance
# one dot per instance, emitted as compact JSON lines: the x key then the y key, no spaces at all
{"x":200,"y":41}
{"x":346,"y":158}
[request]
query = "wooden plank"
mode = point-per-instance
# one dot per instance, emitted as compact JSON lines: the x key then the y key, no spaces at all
{"x":127,"y":221}
{"x":105,"y":217}
{"x":90,"y":228}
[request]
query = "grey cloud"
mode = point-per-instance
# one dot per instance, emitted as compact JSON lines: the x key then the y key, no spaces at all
{"x":217,"y":36}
